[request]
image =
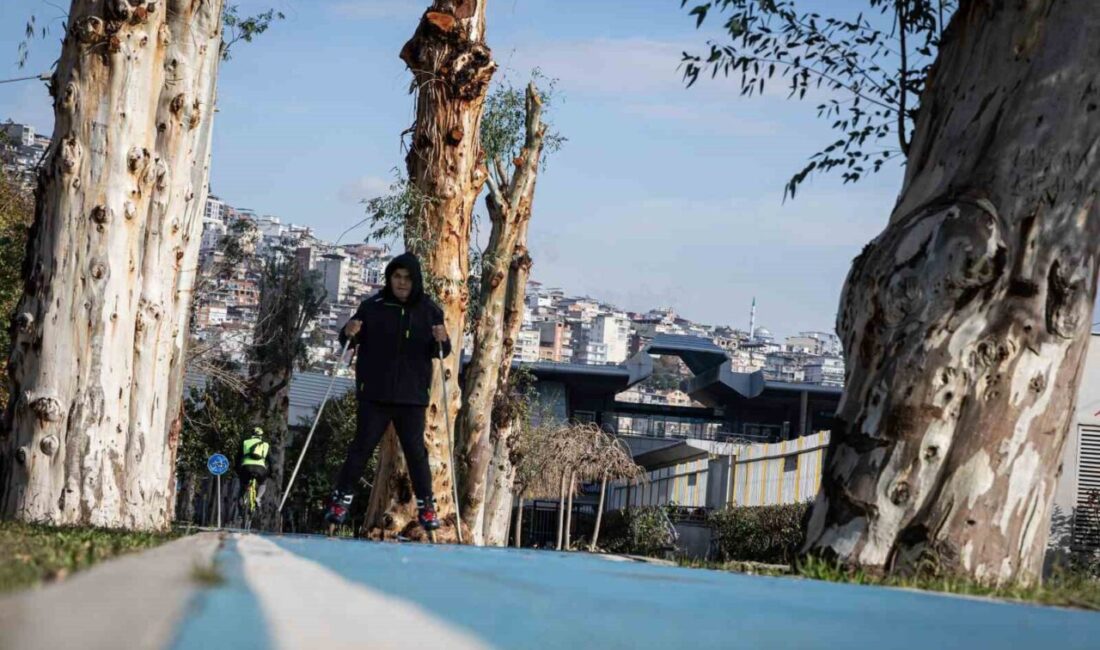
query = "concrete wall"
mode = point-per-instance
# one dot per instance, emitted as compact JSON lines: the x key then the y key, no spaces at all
{"x":763,"y":475}
{"x":718,"y":481}
{"x":683,"y":484}
{"x":693,"y":538}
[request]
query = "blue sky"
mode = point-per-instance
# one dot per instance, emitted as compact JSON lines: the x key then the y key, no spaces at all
{"x":662,"y":196}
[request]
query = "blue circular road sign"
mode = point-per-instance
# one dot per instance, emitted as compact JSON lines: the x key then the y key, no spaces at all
{"x":218,"y":464}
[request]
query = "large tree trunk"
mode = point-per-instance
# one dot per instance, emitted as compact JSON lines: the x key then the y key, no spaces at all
{"x":481,"y":385}
{"x":289,"y":301}
{"x":965,"y":322}
{"x":391,"y":496}
{"x":452,"y":68}
{"x":97,"y":362}
{"x":498,"y":506}
{"x":509,"y":206}
{"x":274,"y":388}
{"x":185,"y":511}
{"x":500,"y":491}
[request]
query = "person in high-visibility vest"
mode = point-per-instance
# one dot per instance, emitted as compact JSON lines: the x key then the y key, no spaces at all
{"x":252,"y":463}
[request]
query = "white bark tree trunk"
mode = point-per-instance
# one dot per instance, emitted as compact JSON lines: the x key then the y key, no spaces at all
{"x":509,"y":207}
{"x":966,"y":321}
{"x":569,"y":512}
{"x":500,"y":492}
{"x":498,"y":507}
{"x":599,"y":514}
{"x":452,"y":67}
{"x":98,"y":356}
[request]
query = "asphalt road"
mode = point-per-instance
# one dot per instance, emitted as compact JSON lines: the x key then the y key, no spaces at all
{"x":312,"y":592}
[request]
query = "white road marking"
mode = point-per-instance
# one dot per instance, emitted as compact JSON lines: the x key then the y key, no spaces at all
{"x":308,"y":606}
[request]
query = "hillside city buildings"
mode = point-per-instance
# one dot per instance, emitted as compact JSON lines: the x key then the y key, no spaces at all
{"x":557,"y":327}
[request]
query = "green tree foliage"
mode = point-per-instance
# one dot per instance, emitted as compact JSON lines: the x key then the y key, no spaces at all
{"x":216,"y":421}
{"x":637,"y":531}
{"x":668,"y":373}
{"x":772,"y":534}
{"x":504,"y":120}
{"x":871,"y":69}
{"x":246,"y":28}
{"x":237,"y":28}
{"x":16,"y":215}
{"x":290,"y":298}
{"x":396,"y":215}
{"x":321,"y":465}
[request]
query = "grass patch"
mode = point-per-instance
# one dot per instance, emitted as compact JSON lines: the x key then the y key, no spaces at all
{"x":736,"y":566}
{"x":1065,"y":588}
{"x":207,"y":575}
{"x":32,"y":553}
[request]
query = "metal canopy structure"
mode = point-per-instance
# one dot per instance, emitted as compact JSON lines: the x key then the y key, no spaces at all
{"x":698,"y":354}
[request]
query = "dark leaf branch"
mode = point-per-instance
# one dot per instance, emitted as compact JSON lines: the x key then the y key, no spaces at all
{"x":871,"y":66}
{"x":245,"y":29}
{"x":504,"y":124}
{"x":507,"y":193}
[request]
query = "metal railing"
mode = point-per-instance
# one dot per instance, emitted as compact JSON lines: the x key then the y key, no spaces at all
{"x":693,"y":514}
{"x":540,"y":522}
{"x":717,"y":436}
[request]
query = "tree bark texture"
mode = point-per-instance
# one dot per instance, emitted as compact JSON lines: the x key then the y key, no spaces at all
{"x":509,"y":206}
{"x":98,"y":355}
{"x":503,"y":441}
{"x":569,"y":511}
{"x":274,"y":392}
{"x":966,"y":321}
{"x":185,"y":511}
{"x":498,"y":506}
{"x":599,"y":514}
{"x":452,"y":67}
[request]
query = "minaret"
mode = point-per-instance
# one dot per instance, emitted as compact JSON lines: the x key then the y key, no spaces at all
{"x":752,"y":320}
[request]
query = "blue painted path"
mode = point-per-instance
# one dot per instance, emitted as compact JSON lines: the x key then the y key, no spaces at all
{"x":511,"y":598}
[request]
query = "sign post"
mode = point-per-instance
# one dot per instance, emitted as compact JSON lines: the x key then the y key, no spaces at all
{"x":218,"y":465}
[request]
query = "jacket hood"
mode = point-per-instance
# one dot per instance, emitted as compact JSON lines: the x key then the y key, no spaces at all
{"x":408,"y":262}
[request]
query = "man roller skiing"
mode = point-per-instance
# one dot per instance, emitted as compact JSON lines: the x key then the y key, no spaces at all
{"x":397,"y":332}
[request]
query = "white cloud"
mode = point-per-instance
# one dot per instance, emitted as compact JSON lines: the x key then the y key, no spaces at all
{"x":363,"y":188}
{"x":377,"y":9}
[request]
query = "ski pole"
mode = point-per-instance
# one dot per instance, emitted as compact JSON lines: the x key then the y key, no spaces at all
{"x":313,"y":428}
{"x":450,"y":440}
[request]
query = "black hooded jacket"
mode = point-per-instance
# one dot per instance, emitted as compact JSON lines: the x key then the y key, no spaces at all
{"x":395,"y":342}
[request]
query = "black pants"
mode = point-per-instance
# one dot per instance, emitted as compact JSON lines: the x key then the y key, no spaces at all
{"x":372,"y":420}
{"x":249,"y":472}
{"x":246,"y":473}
